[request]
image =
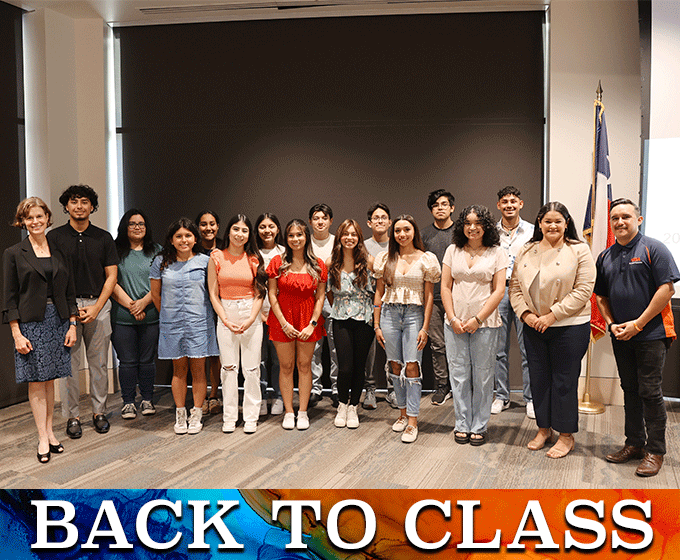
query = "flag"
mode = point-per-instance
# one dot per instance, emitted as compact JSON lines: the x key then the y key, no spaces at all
{"x":596,"y":227}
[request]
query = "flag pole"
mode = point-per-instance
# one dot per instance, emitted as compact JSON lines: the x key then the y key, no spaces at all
{"x":585,"y":405}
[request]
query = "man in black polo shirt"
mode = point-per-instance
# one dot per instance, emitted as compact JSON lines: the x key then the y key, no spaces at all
{"x":91,"y":254}
{"x":634,"y":287}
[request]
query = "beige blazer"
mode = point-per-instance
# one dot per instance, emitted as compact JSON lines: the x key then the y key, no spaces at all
{"x":566,"y":281}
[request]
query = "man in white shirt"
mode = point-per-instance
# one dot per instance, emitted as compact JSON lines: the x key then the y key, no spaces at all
{"x":379,"y":222}
{"x":514,"y":232}
{"x":320,"y":221}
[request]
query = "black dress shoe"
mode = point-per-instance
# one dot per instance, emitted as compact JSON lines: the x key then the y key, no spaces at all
{"x":59,"y":448}
{"x":73,"y":428}
{"x":44,"y":457}
{"x":336,"y":401}
{"x":101,"y":424}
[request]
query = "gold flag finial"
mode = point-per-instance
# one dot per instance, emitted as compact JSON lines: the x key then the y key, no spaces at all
{"x":599,"y":90}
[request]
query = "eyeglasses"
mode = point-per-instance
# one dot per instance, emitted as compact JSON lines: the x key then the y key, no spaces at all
{"x":441,"y":205}
{"x":136,"y":225}
{"x":381,"y":219}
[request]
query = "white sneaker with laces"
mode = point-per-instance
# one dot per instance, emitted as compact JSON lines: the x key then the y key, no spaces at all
{"x":263,"y":407}
{"x":228,"y":427}
{"x":341,"y":416}
{"x":400,"y":424}
{"x":499,"y":405}
{"x":531,"y":413}
{"x":288,"y":421}
{"x":352,"y":417}
{"x":250,"y":427}
{"x":302,"y":420}
{"x":195,"y":424}
{"x":277,"y":407}
{"x":410,"y":434}
{"x":180,"y":421}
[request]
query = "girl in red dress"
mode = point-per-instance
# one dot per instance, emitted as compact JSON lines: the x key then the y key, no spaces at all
{"x":297,"y":285}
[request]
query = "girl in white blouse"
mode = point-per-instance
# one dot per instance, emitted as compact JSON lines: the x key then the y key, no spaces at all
{"x":403,"y":301}
{"x":473,"y":284}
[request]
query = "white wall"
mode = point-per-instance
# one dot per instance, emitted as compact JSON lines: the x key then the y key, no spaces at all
{"x":594,"y":40}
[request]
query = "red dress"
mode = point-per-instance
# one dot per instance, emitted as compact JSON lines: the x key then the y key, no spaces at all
{"x":297,"y":296}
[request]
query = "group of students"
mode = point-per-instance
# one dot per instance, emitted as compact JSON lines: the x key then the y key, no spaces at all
{"x":266,"y":294}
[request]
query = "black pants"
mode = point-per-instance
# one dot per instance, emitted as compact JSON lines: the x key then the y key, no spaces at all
{"x":554,"y":358}
{"x":640,"y":364}
{"x":352,"y":343}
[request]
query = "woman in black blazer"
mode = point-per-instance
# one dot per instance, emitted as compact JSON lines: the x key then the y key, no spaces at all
{"x":40,"y":306}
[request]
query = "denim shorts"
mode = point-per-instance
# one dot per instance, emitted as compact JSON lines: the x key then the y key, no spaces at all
{"x":400,"y":324}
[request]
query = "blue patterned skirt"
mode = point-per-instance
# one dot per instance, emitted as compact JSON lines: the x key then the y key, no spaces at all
{"x":49,"y":359}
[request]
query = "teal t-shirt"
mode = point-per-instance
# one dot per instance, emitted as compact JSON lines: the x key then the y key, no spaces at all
{"x":133,"y":277}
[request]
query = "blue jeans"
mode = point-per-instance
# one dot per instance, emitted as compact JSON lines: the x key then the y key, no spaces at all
{"x":502,"y":367}
{"x":471,"y":360}
{"x":136,"y":349}
{"x":317,"y":358}
{"x":400,"y":325}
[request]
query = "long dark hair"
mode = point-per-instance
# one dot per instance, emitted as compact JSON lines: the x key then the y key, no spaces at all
{"x":260,"y":277}
{"x":491,"y":237}
{"x":393,"y":247}
{"x":261,"y":218}
{"x":311,"y":261}
{"x":169,"y":253}
{"x":570,"y":233}
{"x":219,"y":243}
{"x":359,"y":254}
{"x":123,"y":241}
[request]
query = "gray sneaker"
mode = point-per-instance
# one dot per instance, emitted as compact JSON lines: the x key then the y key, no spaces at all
{"x":441,"y":395}
{"x":392,"y":399}
{"x":129,"y":411}
{"x":148,"y":408}
{"x":370,"y":402}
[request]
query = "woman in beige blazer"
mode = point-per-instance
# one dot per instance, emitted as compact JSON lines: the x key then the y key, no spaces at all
{"x":550,"y":291}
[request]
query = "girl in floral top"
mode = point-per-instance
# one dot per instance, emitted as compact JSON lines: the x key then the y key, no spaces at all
{"x":406,"y":275}
{"x":351,"y":296}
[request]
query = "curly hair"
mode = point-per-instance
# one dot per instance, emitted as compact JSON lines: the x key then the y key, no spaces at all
{"x":491,"y":237}
{"x":79,"y":191}
{"x":260,"y":277}
{"x":359,"y":255}
{"x":393,"y":247}
{"x":313,"y":268}
{"x":169,"y":253}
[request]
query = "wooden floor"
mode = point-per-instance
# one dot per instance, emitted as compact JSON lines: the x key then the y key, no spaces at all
{"x":145,"y":453}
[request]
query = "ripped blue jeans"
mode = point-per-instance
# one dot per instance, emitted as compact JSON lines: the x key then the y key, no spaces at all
{"x":400,"y":324}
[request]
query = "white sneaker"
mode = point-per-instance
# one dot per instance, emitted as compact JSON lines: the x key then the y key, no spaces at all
{"x":263,"y":407}
{"x":499,"y":405}
{"x":341,"y":416}
{"x":400,"y":424}
{"x":250,"y":427}
{"x":302,"y":420}
{"x":288,"y":421}
{"x":277,"y":407}
{"x":228,"y":427}
{"x":352,"y":417}
{"x":180,"y":420}
{"x":531,"y":413}
{"x":410,"y":434}
{"x":129,"y":411}
{"x":195,"y":417}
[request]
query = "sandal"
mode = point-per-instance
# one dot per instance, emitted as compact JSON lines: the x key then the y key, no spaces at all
{"x":554,"y":453}
{"x":478,"y":439}
{"x":44,"y":457}
{"x":539,"y":441}
{"x":58,"y":448}
{"x":461,"y":437}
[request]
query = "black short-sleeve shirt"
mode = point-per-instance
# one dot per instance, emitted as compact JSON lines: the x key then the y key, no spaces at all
{"x":629,"y":275}
{"x":87,"y":253}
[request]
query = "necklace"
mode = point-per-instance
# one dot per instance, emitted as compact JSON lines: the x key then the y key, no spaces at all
{"x":476,"y":253}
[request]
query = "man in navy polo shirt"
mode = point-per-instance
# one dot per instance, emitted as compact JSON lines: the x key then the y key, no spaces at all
{"x":635,"y":278}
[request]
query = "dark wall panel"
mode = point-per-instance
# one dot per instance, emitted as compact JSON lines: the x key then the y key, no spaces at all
{"x":12,"y":171}
{"x":279,"y":115}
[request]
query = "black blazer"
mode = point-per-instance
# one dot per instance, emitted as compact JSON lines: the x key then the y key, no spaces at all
{"x":26,"y":286}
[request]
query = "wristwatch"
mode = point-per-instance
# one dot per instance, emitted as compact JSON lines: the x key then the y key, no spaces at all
{"x":314,"y":323}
